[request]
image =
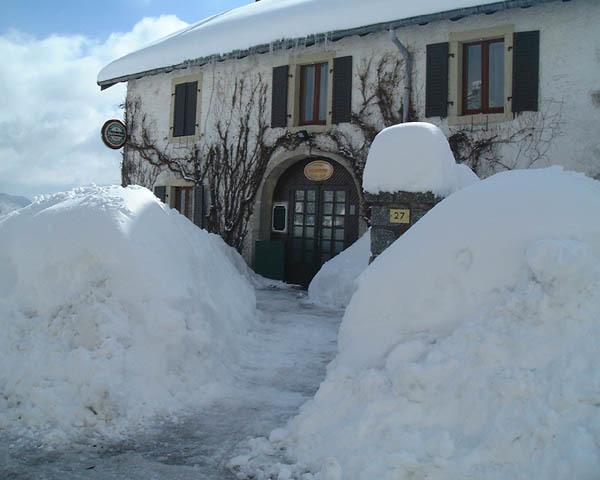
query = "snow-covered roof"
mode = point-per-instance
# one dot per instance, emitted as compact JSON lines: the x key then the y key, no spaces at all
{"x":269,"y":21}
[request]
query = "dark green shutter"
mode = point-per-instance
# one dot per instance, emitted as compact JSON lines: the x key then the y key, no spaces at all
{"x":199,"y":205}
{"x":436,"y":83}
{"x":191,"y":103}
{"x":279,"y":97}
{"x":341,"y":111}
{"x":526,"y":71}
{"x":161,"y":193}
{"x":179,"y":113}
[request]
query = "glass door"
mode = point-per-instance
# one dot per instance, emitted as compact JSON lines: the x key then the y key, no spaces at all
{"x":333,"y":223}
{"x":317,"y":230}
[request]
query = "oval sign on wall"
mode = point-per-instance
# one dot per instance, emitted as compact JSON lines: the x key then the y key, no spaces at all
{"x":318,"y":171}
{"x":114,"y":134}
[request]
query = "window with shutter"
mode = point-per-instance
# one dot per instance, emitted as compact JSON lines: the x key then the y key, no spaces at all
{"x":185,"y":108}
{"x":436,"y":80}
{"x":526,"y":71}
{"x":342,"y":90}
{"x":199,"y":205}
{"x":279,"y":97}
{"x":161,"y":193}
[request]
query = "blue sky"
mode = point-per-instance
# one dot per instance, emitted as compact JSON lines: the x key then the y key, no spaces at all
{"x":52,"y":109}
{"x":97,"y":18}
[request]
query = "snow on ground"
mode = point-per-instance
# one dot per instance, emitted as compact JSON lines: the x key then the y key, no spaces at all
{"x":113,"y":309}
{"x":337,"y":280}
{"x":267,"y":21}
{"x":414,"y":157}
{"x":10,"y":203}
{"x":470,"y":349}
{"x":284,"y":354}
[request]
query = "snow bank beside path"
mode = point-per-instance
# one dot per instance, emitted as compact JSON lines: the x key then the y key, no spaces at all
{"x":414,"y":157}
{"x":113,"y":309}
{"x":470,"y":349}
{"x":337,"y":280}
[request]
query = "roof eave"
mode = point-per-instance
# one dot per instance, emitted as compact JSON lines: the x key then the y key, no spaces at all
{"x":335,"y":35}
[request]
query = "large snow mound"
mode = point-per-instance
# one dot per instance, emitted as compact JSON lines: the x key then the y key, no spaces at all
{"x":337,"y":280}
{"x":414,"y":157}
{"x":10,"y":203}
{"x":268,"y":21}
{"x":471,"y":348}
{"x":113,"y":309}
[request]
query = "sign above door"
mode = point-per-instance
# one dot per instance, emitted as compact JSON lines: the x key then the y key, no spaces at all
{"x":318,"y":170}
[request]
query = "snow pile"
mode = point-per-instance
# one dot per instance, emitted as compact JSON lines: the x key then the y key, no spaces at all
{"x":470,"y":349}
{"x":268,"y":21}
{"x":113,"y":309}
{"x":10,"y":203}
{"x":336,"y":281}
{"x":414,"y":157}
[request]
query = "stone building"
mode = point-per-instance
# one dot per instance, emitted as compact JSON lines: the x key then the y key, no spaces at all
{"x":256,"y":123}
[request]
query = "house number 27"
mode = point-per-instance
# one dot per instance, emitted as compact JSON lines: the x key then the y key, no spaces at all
{"x":399,"y":215}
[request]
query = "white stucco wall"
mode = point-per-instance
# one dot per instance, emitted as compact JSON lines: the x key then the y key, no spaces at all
{"x":569,"y":80}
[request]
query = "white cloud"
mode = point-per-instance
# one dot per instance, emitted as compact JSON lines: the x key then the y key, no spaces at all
{"x":52,"y":110}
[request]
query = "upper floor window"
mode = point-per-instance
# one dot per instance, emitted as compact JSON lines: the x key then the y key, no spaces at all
{"x":314,"y":81}
{"x":483,"y":77}
{"x":185,"y":106}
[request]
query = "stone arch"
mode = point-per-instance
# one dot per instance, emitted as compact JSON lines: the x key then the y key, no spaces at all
{"x":277,"y":166}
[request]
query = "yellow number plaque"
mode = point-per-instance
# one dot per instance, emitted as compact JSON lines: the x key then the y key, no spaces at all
{"x":399,"y":215}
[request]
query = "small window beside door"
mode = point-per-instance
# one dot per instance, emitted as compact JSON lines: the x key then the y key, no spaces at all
{"x":184,"y":201}
{"x":280,"y":217}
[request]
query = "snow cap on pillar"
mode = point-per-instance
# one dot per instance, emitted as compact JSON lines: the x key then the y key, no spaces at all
{"x":414,"y":157}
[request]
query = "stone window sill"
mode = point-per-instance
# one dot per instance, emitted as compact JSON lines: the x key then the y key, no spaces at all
{"x":479,"y":119}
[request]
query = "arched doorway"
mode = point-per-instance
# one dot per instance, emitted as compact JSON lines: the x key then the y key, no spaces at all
{"x":315,"y":214}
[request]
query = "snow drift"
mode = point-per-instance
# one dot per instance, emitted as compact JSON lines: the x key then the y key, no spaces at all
{"x":414,"y":157}
{"x":113,"y":309}
{"x":337,"y":280}
{"x":471,"y":347}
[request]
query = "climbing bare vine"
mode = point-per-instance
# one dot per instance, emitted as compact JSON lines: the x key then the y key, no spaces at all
{"x":530,"y":136}
{"x":234,"y":164}
{"x":230,"y":163}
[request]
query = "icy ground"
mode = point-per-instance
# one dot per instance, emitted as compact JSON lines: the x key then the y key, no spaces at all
{"x":284,"y":362}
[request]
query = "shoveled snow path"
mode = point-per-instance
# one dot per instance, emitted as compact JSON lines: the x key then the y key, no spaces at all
{"x":284,"y":362}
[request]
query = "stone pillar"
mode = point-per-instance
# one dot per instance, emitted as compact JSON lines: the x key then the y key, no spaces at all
{"x":392,"y":214}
